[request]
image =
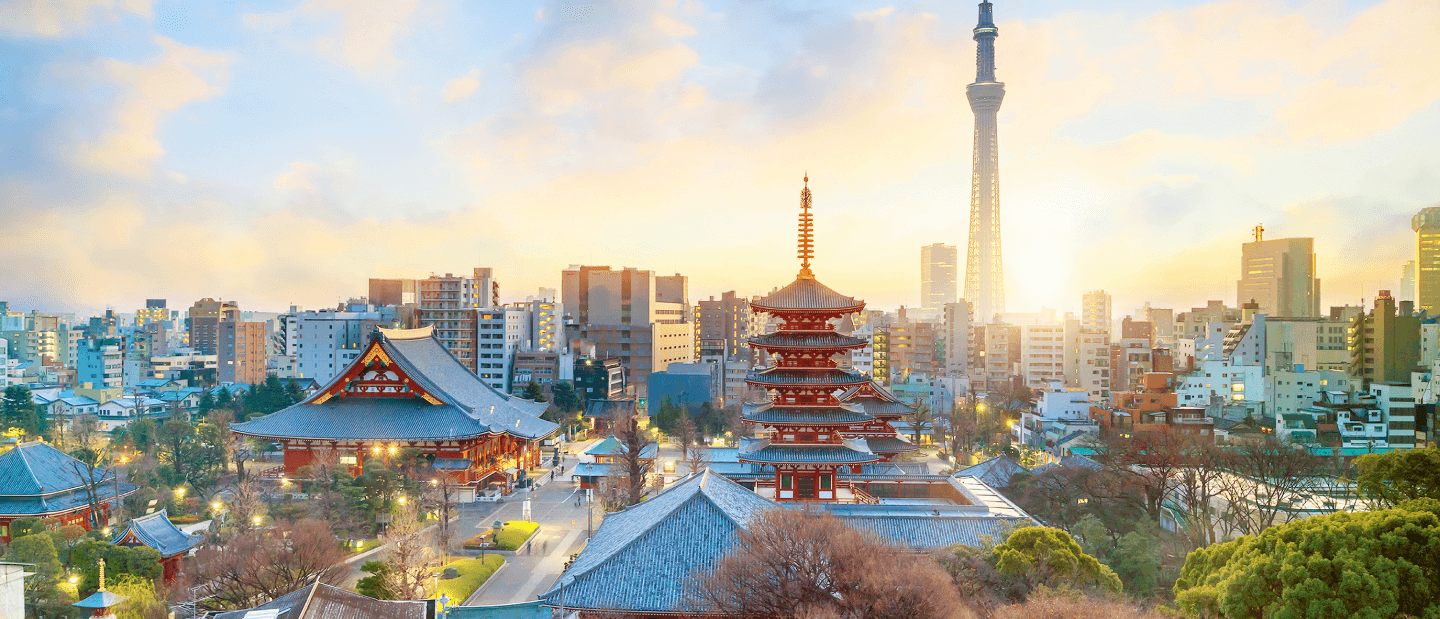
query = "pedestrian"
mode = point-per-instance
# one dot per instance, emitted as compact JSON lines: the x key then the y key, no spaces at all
{"x":545,"y":547}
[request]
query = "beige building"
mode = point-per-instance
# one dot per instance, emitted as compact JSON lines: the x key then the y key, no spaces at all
{"x":448,"y":303}
{"x":1280,"y":275}
{"x":241,"y":356}
{"x":642,"y":319}
{"x":1385,"y":344}
{"x":939,"y":273}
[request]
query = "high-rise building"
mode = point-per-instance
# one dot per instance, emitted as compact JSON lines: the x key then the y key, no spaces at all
{"x":984,"y":275}
{"x":1426,"y":225}
{"x":1385,"y":345}
{"x":394,"y":291}
{"x":326,"y":342}
{"x":1279,"y":275}
{"x":447,"y":303}
{"x":725,"y":320}
{"x":1407,"y":281}
{"x":203,"y":320}
{"x":939,"y":269}
{"x":154,"y":311}
{"x":241,"y":356}
{"x":1096,"y":313}
{"x":958,"y":337}
{"x":642,"y":319}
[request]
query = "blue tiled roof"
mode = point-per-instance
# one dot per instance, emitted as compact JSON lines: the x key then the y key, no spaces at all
{"x":995,"y":472}
{"x":376,"y":419}
{"x":33,"y":469}
{"x":889,"y":444}
{"x":68,"y":501}
{"x":591,"y":469}
{"x":611,"y":447}
{"x":523,"y":610}
{"x":608,"y":408}
{"x":1084,"y":462}
{"x":926,"y":532}
{"x":768,"y":413}
{"x":641,"y":558}
{"x":801,"y":339}
{"x":156,"y":531}
{"x":819,"y":453}
{"x":796,"y":376}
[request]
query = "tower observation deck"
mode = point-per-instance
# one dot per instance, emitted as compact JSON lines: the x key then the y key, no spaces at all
{"x":984,"y":274}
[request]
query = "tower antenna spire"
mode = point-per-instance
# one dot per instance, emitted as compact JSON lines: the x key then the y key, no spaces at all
{"x":807,"y":232}
{"x":984,"y":271}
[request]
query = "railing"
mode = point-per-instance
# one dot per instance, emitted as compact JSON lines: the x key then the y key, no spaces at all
{"x":862,"y":496}
{"x":274,"y":472}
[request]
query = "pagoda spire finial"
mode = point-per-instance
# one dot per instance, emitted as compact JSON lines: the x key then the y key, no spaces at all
{"x":102,"y":574}
{"x":807,"y":232}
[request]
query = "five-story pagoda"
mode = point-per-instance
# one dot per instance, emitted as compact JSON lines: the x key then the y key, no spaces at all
{"x":804,"y":420}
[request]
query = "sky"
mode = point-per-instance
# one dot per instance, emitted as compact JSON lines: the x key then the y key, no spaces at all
{"x":282,"y":153}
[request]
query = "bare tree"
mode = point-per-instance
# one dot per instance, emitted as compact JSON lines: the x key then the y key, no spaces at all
{"x":627,"y":478}
{"x":1198,"y":485}
{"x":796,"y":565}
{"x":1153,"y":461}
{"x":83,"y":431}
{"x":256,"y":566}
{"x":699,"y":459}
{"x":686,"y":435}
{"x":1266,"y":479}
{"x":1074,"y":607}
{"x":86,"y":467}
{"x":441,"y":496}
{"x":410,"y":560}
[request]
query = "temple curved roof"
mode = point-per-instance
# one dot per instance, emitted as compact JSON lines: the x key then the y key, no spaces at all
{"x":802,"y":339}
{"x":825,"y":377}
{"x":770,"y":414}
{"x":807,"y":294}
{"x":156,"y":531}
{"x":463,"y":405}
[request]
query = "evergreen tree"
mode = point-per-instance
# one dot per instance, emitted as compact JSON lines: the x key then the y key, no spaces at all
{"x":207,"y":403}
{"x":565,"y":397}
{"x":534,"y":393}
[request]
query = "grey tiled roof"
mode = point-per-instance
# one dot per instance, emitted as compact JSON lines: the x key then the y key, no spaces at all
{"x":33,"y":469}
{"x":641,"y":558}
{"x":779,"y":454}
{"x":796,"y":376}
{"x":372,"y":419}
{"x":156,"y":531}
{"x":435,"y":365}
{"x":806,"y":339}
{"x":1082,"y":462}
{"x":612,"y":447}
{"x":608,"y":408}
{"x":768,"y":413}
{"x":322,"y":601}
{"x":926,"y":532}
{"x":889,"y":444}
{"x":995,"y":472}
{"x":806,"y":293}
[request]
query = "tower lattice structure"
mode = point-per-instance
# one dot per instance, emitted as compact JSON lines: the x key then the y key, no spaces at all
{"x":984,"y":273}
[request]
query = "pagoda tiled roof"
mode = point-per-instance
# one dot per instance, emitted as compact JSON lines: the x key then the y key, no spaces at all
{"x":768,"y":413}
{"x":807,"y":454}
{"x":889,"y":444}
{"x":156,"y":531}
{"x":806,"y":339}
{"x":641,"y":558}
{"x":807,"y":294}
{"x":467,"y":406}
{"x":836,"y":377}
{"x":37,"y":479}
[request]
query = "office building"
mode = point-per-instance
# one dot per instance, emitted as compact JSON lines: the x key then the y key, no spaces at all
{"x":1426,"y":225}
{"x":726,"y":321}
{"x":1096,"y":312}
{"x":1385,"y":345}
{"x":642,"y":319}
{"x":1279,"y":274}
{"x":957,"y":338}
{"x":203,"y":323}
{"x":447,"y":303}
{"x":241,"y":352}
{"x":393,"y":291}
{"x":939,"y":273}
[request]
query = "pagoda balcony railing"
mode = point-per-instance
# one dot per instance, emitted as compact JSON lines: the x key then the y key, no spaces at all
{"x":861,"y":496}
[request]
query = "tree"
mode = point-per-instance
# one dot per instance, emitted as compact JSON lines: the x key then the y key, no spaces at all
{"x":409,"y":559}
{"x":1151,"y":461}
{"x":564,"y":396}
{"x":1197,"y":486}
{"x":1268,"y":477}
{"x":1045,"y":556}
{"x":1391,"y":478}
{"x":21,"y":527}
{"x":207,"y":403}
{"x":1365,"y":564}
{"x":627,"y":477}
{"x":38,"y":550}
{"x":534,"y":392}
{"x":265,"y":564}
{"x":923,"y":418}
{"x":19,"y":410}
{"x":86,"y":468}
{"x":791,"y":565}
{"x":376,"y":585}
{"x":1073,"y":607}
{"x":667,"y":416}
{"x":441,"y":496}
{"x":141,"y":562}
{"x":141,"y":599}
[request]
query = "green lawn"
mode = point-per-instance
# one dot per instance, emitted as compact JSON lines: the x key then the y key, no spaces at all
{"x":365,"y":545}
{"x":473,"y":573}
{"x":514,"y":533}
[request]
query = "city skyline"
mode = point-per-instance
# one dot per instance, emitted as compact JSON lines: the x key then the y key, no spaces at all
{"x":442,"y":137}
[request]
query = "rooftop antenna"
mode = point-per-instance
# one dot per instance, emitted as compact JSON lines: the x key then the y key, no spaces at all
{"x":1259,"y":233}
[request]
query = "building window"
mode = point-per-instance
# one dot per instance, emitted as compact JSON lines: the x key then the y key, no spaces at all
{"x":785,"y":482}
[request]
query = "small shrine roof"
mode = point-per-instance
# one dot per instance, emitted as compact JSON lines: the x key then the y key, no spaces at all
{"x":807,"y":294}
{"x":322,"y":601}
{"x":101,"y":599}
{"x":604,"y":409}
{"x":889,"y":444}
{"x":995,"y":472}
{"x":156,"y":531}
{"x":612,"y":447}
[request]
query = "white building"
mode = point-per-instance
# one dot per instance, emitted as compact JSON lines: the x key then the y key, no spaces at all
{"x":1220,"y":379}
{"x":1289,"y":392}
{"x":958,"y":336}
{"x":4,"y":363}
{"x":1042,"y":353}
{"x":1057,"y":410}
{"x":325,"y":342}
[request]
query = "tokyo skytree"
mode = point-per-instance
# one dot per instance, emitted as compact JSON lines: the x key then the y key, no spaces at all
{"x":984,"y":274}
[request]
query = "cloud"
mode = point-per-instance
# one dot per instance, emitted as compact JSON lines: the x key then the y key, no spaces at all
{"x":460,"y":88}
{"x":59,"y":18}
{"x":365,"y":36}
{"x":145,"y":93}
